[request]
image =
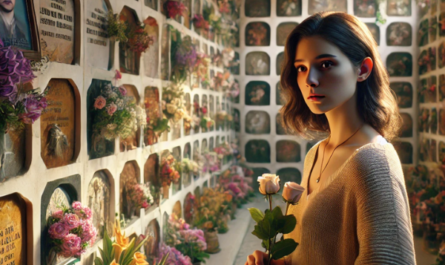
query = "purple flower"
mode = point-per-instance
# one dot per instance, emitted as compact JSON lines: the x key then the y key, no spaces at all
{"x":123,"y":90}
{"x":7,"y":87}
{"x":71,"y":220}
{"x":33,"y":108}
{"x":58,"y":230}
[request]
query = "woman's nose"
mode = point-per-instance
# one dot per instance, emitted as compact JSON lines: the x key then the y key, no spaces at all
{"x":312,"y":78}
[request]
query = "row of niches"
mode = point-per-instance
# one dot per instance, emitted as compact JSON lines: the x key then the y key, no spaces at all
{"x":59,"y":33}
{"x":362,"y":8}
{"x":397,"y":63}
{"x":397,"y":33}
{"x":259,"y":122}
{"x":105,"y":195}
{"x":431,"y":150}
{"x":60,"y":126}
{"x":258,"y":93}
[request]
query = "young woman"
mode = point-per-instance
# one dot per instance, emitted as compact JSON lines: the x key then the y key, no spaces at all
{"x":354,"y":209}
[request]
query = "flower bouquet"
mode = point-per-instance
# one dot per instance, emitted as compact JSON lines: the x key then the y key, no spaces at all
{"x":140,"y":196}
{"x":114,"y":113}
{"x":184,"y":57}
{"x":115,"y":28}
{"x":172,"y":105}
{"x":272,"y":222}
{"x":17,"y":107}
{"x":175,"y":8}
{"x":169,"y":173}
{"x":200,"y":24}
{"x":122,"y":252}
{"x":138,"y":38}
{"x":71,"y":231}
{"x":173,"y":256}
{"x":190,"y":242}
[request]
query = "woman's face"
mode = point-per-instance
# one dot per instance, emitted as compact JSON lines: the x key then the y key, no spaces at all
{"x":324,"y":70}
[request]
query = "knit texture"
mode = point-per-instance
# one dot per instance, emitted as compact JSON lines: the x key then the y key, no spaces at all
{"x":359,"y":215}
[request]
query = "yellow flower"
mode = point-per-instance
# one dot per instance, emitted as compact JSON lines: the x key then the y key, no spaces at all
{"x":114,"y":263}
{"x":121,"y":240}
{"x":139,"y":259}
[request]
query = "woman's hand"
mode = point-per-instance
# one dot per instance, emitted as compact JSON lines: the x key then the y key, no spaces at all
{"x":261,"y":258}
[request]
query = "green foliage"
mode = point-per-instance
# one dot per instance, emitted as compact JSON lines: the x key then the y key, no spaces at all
{"x":106,"y":253}
{"x":115,"y":28}
{"x":192,"y":250}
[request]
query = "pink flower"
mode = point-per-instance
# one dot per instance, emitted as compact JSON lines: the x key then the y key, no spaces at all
{"x":111,"y":109}
{"x":71,"y":244}
{"x":87,"y":212}
{"x":58,"y":230}
{"x":58,"y":214}
{"x":88,"y":231}
{"x":123,"y":90}
{"x":145,"y":205}
{"x":71,"y":221}
{"x":118,"y":75}
{"x":77,"y":205}
{"x":100,"y":102}
{"x":292,"y":192}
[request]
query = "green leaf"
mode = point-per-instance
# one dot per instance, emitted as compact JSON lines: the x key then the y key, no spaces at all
{"x":277,"y":213}
{"x":286,"y":224}
{"x":260,"y":233}
{"x":265,"y":244}
{"x":283,"y":248}
{"x":97,"y":261}
{"x":268,"y":225}
{"x":256,"y":214}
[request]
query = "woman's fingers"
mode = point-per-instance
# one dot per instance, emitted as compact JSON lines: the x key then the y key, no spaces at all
{"x":259,"y":257}
{"x":250,"y":260}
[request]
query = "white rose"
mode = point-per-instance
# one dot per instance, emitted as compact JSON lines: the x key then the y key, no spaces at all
{"x":269,"y":184}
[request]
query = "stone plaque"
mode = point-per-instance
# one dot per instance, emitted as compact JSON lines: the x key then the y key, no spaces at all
{"x":177,"y":209}
{"x":19,"y":35}
{"x":132,"y":141}
{"x":12,"y":231}
{"x":151,"y":246}
{"x":99,"y":203}
{"x":128,"y":178}
{"x":257,"y":122}
{"x":153,"y":110}
{"x":57,"y":30}
{"x":58,"y":124}
{"x":165,"y":52}
{"x":151,"y":175}
{"x":13,"y":155}
{"x":128,"y":59}
{"x":97,"y":47}
{"x":151,"y":56}
{"x":257,"y":63}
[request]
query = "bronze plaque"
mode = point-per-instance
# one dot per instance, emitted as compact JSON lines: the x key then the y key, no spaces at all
{"x":12,"y":231}
{"x":57,"y":30}
{"x":57,"y":124}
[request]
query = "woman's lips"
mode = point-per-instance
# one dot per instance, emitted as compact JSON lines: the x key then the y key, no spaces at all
{"x":315,"y":97}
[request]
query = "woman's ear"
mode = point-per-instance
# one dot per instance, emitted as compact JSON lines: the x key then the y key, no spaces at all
{"x":365,"y":69}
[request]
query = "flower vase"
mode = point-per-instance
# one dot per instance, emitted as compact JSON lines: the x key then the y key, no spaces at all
{"x":212,"y":242}
{"x":165,"y":191}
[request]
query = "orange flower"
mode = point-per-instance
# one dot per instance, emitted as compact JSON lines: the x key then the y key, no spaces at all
{"x":139,"y":259}
{"x":114,"y":263}
{"x":121,"y":241}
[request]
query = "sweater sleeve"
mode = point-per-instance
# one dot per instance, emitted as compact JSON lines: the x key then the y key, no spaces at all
{"x":384,"y":229}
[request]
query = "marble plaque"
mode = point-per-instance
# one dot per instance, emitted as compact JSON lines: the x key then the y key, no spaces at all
{"x":13,"y":234}
{"x":257,"y":122}
{"x":97,"y":47}
{"x":128,"y":59}
{"x":99,"y":192}
{"x":288,"y":151}
{"x":57,"y":29}
{"x":257,"y":34}
{"x":128,"y":177}
{"x":257,"y":63}
{"x":132,"y":141}
{"x":283,"y":31}
{"x":151,"y":55}
{"x":58,"y":124}
{"x":257,"y":151}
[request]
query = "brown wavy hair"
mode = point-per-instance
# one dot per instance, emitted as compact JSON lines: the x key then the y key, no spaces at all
{"x":376,"y":102}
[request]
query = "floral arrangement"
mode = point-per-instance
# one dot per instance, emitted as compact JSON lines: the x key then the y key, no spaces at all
{"x":213,"y":206}
{"x":115,"y":28}
{"x":174,"y":256}
{"x":184,"y":57}
{"x":121,"y":251}
{"x":212,"y":163}
{"x":71,"y":230}
{"x":202,"y":66}
{"x":175,"y":8}
{"x":16,"y":106}
{"x":172,"y":105}
{"x":138,"y":38}
{"x":190,"y":242}
{"x":169,"y":170}
{"x":272,"y":222}
{"x":220,"y":81}
{"x":114,"y":115}
{"x":200,"y":23}
{"x":189,"y":166}
{"x":140,"y":195}
{"x":206,"y":123}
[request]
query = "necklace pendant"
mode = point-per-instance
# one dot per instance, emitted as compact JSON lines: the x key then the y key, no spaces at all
{"x":318,"y":180}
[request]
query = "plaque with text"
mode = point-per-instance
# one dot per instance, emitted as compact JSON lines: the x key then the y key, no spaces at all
{"x":57,"y":30}
{"x":12,"y":231}
{"x":57,"y":124}
{"x":97,"y":47}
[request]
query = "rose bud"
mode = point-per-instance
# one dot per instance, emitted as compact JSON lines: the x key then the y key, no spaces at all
{"x":269,"y":184}
{"x":292,"y":192}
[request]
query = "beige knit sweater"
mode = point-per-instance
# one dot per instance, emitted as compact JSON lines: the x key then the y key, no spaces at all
{"x":360,"y":214}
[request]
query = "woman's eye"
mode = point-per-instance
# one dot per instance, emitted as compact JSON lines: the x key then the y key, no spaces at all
{"x":299,"y":68}
{"x":329,"y":63}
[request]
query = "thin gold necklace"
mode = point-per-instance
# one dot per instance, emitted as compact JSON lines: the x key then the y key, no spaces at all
{"x":321,"y":165}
